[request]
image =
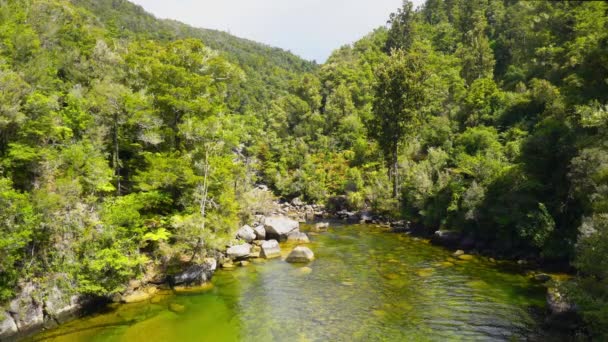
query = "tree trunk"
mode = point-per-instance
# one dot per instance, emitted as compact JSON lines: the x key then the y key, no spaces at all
{"x":116,"y":159}
{"x":395,"y":171}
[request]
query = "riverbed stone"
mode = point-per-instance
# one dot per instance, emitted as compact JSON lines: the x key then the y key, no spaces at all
{"x":541,"y":277}
{"x":558,"y":303}
{"x":300,"y":254}
{"x":196,"y":274}
{"x":136,"y":297}
{"x":458,"y":253}
{"x":270,"y":249}
{"x":321,"y":226}
{"x":298,"y":237}
{"x":177,"y":308}
{"x":279,"y":227}
{"x":246,"y":233}
{"x":260,"y":232}
{"x":466,"y":257}
{"x":239,"y":251}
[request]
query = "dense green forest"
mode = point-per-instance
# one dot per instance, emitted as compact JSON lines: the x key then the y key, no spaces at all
{"x":127,"y":140}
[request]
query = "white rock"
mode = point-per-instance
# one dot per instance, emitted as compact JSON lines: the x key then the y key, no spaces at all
{"x":239,"y":251}
{"x":270,"y":249}
{"x":279,"y":227}
{"x":260,"y":232}
{"x":298,"y":237}
{"x":8,"y":326}
{"x":246,"y":234}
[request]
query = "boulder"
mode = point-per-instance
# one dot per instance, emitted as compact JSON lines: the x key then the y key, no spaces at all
{"x":297,"y":202}
{"x":8,"y":327}
{"x":260,"y":232}
{"x":458,"y":253}
{"x":26,"y":310}
{"x":321,"y":226}
{"x":60,"y":306}
{"x":196,"y":274}
{"x":246,"y":234}
{"x":177,"y":308}
{"x":270,"y":249}
{"x":279,"y":227}
{"x":300,"y":254}
{"x":298,"y":237}
{"x":446,"y":238}
{"x":558,"y":304}
{"x":239,"y":251}
{"x":365,"y":217}
{"x":136,"y":296}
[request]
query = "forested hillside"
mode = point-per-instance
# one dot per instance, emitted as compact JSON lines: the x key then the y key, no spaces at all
{"x":128,"y":141}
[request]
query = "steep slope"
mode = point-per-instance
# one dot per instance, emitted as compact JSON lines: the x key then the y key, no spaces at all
{"x":268,"y":69}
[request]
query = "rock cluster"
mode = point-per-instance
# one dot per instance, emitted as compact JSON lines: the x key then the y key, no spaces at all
{"x":269,"y":231}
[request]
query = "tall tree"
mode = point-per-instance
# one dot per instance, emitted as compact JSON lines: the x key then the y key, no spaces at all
{"x":400,"y":95}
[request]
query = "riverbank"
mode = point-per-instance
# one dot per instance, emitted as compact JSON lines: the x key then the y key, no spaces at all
{"x":259,"y":241}
{"x":365,"y":283}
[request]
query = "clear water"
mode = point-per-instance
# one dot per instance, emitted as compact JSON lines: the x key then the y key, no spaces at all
{"x":365,"y":285}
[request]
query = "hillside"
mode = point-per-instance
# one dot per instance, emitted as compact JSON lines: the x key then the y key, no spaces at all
{"x":268,"y":69}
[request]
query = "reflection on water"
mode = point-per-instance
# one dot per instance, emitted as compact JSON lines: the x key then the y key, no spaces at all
{"x":365,"y":285}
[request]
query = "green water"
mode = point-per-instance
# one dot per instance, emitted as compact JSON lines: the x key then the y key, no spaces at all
{"x":365,"y":285}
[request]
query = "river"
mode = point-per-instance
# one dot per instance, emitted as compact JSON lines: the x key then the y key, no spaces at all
{"x":365,"y":284}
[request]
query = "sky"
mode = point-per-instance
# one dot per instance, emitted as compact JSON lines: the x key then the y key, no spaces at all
{"x":311,"y":29}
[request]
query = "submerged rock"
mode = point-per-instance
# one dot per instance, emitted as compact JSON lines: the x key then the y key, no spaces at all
{"x":466,"y":257}
{"x":139,"y":295}
{"x":298,"y":237}
{"x":239,"y":251}
{"x":177,"y":308}
{"x":541,"y":277}
{"x":279,"y":227}
{"x":270,"y":249}
{"x":196,"y":274}
{"x":300,"y":254}
{"x":246,"y":234}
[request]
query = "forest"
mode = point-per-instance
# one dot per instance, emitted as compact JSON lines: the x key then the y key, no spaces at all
{"x":126,"y":140}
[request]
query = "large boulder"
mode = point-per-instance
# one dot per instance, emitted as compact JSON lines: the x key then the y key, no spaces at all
{"x":260,"y":232}
{"x":26,"y":310}
{"x":8,"y":327}
{"x":246,"y":234}
{"x":61,"y":306}
{"x":279,"y":227}
{"x":298,"y":237}
{"x":300,"y":254}
{"x":239,"y":251}
{"x":197,"y":274}
{"x":270,"y":249}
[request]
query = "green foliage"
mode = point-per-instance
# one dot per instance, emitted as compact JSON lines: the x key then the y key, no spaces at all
{"x":125,"y":139}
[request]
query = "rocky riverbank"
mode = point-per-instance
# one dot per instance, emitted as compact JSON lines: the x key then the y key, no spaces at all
{"x":35,"y":309}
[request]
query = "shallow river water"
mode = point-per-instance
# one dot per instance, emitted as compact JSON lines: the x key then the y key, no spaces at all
{"x":365,"y":285}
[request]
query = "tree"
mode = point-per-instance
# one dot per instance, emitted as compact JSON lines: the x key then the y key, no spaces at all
{"x":400,"y":95}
